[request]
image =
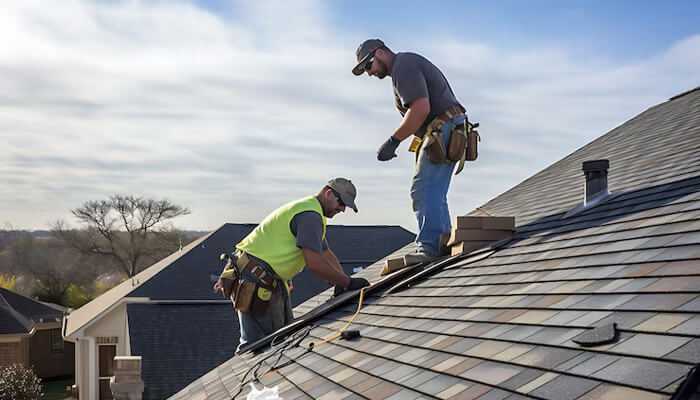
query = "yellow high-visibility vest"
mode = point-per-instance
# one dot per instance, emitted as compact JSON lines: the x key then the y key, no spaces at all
{"x":273,"y":241}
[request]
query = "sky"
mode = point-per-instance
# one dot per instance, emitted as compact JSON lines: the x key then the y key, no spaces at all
{"x":232,"y":108}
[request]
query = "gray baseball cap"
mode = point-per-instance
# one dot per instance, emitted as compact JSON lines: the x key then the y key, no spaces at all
{"x":346,"y":190}
{"x":364,"y":53}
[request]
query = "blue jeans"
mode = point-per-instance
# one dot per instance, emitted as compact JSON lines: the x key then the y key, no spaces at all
{"x":429,"y":195}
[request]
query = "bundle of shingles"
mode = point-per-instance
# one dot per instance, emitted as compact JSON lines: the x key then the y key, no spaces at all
{"x":469,"y":233}
{"x":472,"y":233}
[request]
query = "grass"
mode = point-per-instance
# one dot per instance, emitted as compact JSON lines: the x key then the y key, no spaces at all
{"x":56,"y":389}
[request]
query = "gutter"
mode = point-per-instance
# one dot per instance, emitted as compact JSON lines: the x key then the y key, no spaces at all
{"x":133,"y":300}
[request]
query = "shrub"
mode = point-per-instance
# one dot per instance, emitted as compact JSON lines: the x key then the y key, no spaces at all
{"x":8,"y":282}
{"x":19,"y":383}
{"x":76,"y":296}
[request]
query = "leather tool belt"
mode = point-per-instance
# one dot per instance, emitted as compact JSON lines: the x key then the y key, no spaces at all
{"x":461,"y":147}
{"x":249,"y":284}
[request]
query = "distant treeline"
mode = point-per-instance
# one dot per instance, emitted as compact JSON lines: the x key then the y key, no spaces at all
{"x":42,"y":265}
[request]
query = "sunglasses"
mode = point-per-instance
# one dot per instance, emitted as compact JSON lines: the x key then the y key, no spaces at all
{"x":337,"y":198}
{"x":368,"y":64}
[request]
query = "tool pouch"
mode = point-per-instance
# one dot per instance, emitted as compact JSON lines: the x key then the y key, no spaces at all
{"x":261,"y":302}
{"x":436,"y":150}
{"x":229,"y":286}
{"x":255,"y":289}
{"x":457,"y":144}
{"x":228,"y":280}
{"x":243,"y":297}
{"x":473,"y":140}
{"x":432,"y":142}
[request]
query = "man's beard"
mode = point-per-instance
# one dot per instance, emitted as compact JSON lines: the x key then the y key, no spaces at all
{"x":382,"y":73}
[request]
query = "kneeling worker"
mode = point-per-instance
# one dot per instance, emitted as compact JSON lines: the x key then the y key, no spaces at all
{"x":291,"y":237}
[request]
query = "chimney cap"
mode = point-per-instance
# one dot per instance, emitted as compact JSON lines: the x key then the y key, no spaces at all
{"x":596,"y":165}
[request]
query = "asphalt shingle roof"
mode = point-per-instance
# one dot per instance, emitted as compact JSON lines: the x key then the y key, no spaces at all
{"x":18,"y":313}
{"x":501,"y":325}
{"x":179,"y":342}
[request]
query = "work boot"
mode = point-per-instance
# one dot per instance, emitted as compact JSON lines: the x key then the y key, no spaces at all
{"x":417,"y":258}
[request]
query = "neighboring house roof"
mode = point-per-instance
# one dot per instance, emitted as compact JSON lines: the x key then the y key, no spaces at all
{"x":173,"y":285}
{"x":179,"y":342}
{"x":501,"y":323}
{"x":191,"y":276}
{"x":19,"y":314}
{"x":91,"y":311}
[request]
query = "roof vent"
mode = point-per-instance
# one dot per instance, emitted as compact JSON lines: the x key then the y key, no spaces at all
{"x":596,"y":173}
{"x":598,"y":336}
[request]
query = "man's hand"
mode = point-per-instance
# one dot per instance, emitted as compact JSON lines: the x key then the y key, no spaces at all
{"x":388,"y":149}
{"x":225,"y":286}
{"x":355,"y":284}
{"x":218,"y":286}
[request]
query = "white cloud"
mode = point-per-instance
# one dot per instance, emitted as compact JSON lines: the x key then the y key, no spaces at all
{"x":233,"y":116}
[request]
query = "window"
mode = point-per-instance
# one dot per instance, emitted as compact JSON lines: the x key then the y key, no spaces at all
{"x":57,"y":344}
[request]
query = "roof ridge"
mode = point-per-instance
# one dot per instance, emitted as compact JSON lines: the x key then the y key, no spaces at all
{"x":687,"y":92}
{"x":111,"y":297}
{"x":234,"y":223}
{"x":26,"y":322}
{"x":337,"y":225}
{"x":367,"y":226}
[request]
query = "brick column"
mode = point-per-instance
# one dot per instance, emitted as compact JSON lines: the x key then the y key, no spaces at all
{"x":126,"y":384}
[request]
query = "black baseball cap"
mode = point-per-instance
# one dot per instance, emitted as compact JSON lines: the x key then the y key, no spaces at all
{"x":364,"y":52}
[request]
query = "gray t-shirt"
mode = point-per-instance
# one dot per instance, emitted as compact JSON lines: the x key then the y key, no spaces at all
{"x":413,"y":77}
{"x":307,"y":227}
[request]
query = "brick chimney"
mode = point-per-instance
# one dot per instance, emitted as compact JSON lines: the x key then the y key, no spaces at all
{"x":126,"y":384}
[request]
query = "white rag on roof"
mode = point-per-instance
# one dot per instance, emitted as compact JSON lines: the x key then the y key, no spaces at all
{"x":264,"y":394}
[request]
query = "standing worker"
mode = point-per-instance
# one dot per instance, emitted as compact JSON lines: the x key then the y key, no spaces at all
{"x":292,"y":236}
{"x":431,"y":111}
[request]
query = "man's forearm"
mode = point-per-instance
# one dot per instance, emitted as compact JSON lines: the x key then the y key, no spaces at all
{"x":413,"y":119}
{"x":333,"y":261}
{"x":318,"y":264}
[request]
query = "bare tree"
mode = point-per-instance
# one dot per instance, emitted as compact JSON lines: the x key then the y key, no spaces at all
{"x":131,"y":231}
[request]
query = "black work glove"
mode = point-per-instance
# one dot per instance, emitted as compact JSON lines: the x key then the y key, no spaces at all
{"x":388,"y":149}
{"x":355,"y":283}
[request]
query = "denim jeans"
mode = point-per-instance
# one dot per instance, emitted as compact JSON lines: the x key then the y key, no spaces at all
{"x":277,"y":315}
{"x":429,"y":195}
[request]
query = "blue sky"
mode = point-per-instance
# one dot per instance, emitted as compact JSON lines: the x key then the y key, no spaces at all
{"x":234,"y":107}
{"x":624,"y":29}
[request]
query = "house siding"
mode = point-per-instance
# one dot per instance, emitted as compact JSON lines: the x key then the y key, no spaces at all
{"x":46,"y":362}
{"x":10,"y":353}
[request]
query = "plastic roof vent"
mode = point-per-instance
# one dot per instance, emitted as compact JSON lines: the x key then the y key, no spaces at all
{"x":599,"y":336}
